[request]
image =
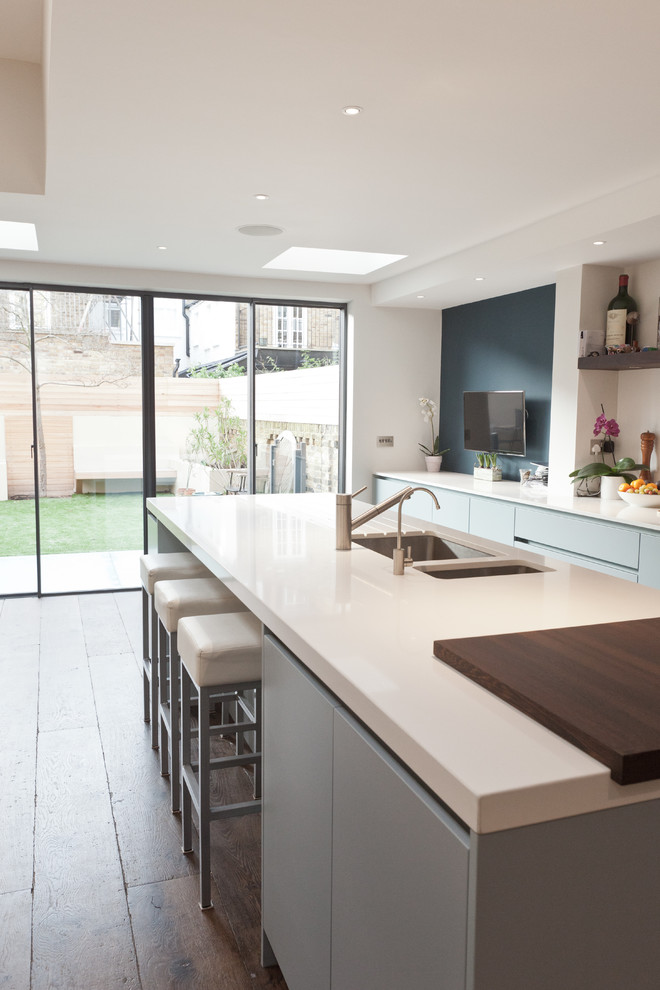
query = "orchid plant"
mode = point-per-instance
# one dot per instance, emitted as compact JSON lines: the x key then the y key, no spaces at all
{"x":622,"y":468}
{"x":429,"y":409}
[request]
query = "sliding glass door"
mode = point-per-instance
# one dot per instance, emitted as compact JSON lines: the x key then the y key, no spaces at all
{"x":72,"y":368}
{"x":18,"y":530}
{"x":247,"y":397}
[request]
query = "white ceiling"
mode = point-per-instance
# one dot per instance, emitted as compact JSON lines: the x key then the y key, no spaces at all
{"x":498,"y":138}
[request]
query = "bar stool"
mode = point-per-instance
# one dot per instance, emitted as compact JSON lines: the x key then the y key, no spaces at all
{"x":156,"y":567}
{"x":172,"y":601}
{"x":220,"y":655}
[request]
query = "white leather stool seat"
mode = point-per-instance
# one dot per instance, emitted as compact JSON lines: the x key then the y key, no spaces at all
{"x":192,"y":596}
{"x":169,"y":566}
{"x":221,"y":649}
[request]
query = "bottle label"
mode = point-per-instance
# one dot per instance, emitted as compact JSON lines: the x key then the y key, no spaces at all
{"x":615,"y":328}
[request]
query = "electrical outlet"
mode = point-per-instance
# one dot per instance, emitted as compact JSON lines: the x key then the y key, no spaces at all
{"x":384,"y":441}
{"x":595,"y":446}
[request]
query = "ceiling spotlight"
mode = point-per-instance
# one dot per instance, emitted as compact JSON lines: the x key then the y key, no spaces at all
{"x":421,"y":297}
{"x":260,"y":196}
{"x":479,"y":278}
{"x":161,"y":247}
{"x":352,"y":111}
{"x":599,"y":243}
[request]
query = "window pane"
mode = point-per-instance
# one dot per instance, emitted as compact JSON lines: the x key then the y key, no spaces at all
{"x":201,"y":395}
{"x":297,"y":397}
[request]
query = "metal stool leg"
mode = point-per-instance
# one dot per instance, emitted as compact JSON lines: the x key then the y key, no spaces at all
{"x":155,"y":655}
{"x":146,"y":655}
{"x":204,"y":810}
{"x":186,"y":760}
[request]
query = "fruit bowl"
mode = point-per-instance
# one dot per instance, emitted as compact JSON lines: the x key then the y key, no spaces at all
{"x":641,"y":501}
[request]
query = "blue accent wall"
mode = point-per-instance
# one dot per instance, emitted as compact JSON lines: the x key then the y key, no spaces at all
{"x":500,"y":343}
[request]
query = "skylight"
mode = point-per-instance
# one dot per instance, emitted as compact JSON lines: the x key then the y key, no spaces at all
{"x":301,"y":259}
{"x":15,"y":236}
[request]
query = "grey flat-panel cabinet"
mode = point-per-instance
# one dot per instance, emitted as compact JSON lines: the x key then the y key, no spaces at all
{"x":399,"y":877}
{"x":297,"y":819}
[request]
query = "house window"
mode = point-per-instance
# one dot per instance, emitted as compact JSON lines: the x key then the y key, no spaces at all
{"x":290,"y":326}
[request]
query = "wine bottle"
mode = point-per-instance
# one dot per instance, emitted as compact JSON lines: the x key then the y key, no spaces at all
{"x":622,"y":317}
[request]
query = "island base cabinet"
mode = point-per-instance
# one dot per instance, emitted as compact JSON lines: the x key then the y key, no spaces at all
{"x":571,"y":904}
{"x":296,"y":820}
{"x":399,"y":875}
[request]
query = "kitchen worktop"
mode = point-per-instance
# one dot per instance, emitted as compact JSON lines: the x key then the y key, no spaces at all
{"x":535,"y":494}
{"x":369,"y":635}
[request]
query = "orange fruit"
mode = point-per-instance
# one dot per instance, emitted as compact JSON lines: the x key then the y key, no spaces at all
{"x":625,"y":487}
{"x":638,"y":483}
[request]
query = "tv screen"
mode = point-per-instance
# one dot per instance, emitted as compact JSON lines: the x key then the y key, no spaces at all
{"x":494,"y":422}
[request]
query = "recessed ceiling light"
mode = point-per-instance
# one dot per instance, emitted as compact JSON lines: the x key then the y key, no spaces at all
{"x":599,"y":243}
{"x":259,"y":230}
{"x":260,"y":196}
{"x":480,"y":278}
{"x":162,"y":247}
{"x":421,"y":297}
{"x":352,"y":111}
{"x":332,"y":262}
{"x":15,"y":236}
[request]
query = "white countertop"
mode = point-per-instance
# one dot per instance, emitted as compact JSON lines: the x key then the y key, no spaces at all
{"x":512,"y":491}
{"x":368,"y":635}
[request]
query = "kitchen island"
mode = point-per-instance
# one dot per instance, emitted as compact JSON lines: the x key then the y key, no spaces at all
{"x":551,"y":865}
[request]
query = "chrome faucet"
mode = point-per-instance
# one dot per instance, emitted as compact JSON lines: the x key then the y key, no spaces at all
{"x":399,"y":554}
{"x":346,"y":524}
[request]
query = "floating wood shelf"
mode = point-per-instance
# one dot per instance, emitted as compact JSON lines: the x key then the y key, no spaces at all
{"x":634,"y":361}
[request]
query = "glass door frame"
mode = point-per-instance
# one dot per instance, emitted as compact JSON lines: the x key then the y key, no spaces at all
{"x":252,"y":302}
{"x":148,"y":389}
{"x":148,"y":455}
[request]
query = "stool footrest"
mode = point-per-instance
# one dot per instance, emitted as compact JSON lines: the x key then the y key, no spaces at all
{"x":220,"y":811}
{"x":231,"y":728}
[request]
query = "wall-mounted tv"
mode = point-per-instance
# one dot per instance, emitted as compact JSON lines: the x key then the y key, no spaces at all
{"x":495,"y":422}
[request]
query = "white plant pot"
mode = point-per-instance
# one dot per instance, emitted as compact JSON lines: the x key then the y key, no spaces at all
{"x":488,"y":474}
{"x":609,"y":487}
{"x":433,"y":461}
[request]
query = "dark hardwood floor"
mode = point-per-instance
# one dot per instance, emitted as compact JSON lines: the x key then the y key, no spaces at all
{"x":95,"y":892}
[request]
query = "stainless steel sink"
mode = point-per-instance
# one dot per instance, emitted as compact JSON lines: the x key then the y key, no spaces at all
{"x":422,"y":546}
{"x":486,"y":568}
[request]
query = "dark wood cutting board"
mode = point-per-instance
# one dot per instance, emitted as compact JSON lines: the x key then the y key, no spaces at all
{"x":596,"y":686}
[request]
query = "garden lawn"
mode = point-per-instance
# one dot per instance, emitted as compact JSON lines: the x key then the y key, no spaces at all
{"x":78,"y":524}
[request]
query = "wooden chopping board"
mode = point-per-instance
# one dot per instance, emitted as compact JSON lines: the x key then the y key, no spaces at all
{"x":596,"y":686}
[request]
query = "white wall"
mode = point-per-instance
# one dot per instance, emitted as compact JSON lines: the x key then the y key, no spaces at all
{"x":394,"y":354}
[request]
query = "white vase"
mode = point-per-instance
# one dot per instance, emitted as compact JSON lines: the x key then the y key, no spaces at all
{"x":433,"y":462}
{"x":609,"y":487}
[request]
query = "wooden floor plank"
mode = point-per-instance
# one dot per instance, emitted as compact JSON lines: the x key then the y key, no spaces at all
{"x":65,"y":690}
{"x":19,"y":675}
{"x":129,"y":606}
{"x":149,"y":834}
{"x":82,"y":934}
{"x":15,"y":939}
{"x":103,"y":629}
{"x":180,"y":946}
{"x":19,"y":622}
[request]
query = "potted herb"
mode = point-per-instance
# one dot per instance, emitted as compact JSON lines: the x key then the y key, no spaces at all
{"x":486,"y":468}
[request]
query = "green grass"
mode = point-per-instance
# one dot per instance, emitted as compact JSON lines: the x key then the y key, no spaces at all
{"x":78,"y":524}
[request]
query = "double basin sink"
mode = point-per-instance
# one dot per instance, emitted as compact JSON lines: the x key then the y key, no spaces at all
{"x":446,"y":559}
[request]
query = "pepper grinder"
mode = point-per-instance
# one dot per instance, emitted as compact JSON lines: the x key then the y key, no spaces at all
{"x":648,"y":443}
